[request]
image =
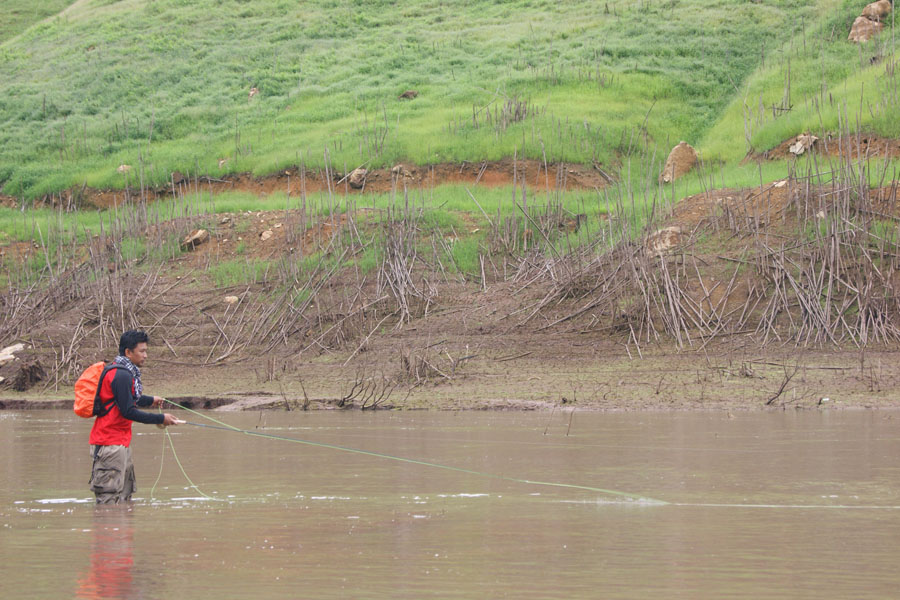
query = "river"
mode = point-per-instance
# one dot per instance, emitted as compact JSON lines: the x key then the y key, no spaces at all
{"x":797,"y":504}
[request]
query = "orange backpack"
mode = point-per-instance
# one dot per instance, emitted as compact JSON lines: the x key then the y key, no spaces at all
{"x":87,"y":391}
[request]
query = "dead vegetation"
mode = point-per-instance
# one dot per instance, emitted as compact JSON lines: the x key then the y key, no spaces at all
{"x":810,"y":262}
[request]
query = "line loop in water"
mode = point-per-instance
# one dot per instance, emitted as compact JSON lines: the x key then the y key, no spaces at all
{"x":220,"y":425}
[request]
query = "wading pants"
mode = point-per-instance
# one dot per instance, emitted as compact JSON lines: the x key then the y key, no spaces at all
{"x":112,"y":476}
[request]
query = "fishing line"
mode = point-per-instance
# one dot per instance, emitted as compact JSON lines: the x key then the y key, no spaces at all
{"x":219,"y":425}
{"x":168,"y":438}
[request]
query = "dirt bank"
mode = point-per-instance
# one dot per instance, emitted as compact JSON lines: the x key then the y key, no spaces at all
{"x":856,"y":147}
{"x":294,"y":181}
{"x":724,"y":306}
{"x":522,"y":372}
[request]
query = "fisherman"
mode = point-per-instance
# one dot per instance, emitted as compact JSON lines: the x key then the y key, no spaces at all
{"x":120,"y":390}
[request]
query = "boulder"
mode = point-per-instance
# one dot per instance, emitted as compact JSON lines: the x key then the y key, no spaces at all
{"x":194,"y":239}
{"x":802,"y":143}
{"x":401,"y":170}
{"x":863,"y":30}
{"x":877,"y":11}
{"x":231,"y":299}
{"x":8,"y":354}
{"x":266,"y":235}
{"x":663,"y":240}
{"x":358,"y":178}
{"x":13,"y":349}
{"x":681,"y":159}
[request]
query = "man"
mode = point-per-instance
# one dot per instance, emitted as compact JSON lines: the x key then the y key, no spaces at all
{"x":121,"y":392}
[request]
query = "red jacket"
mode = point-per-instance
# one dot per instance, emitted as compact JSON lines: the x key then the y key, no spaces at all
{"x":114,"y":428}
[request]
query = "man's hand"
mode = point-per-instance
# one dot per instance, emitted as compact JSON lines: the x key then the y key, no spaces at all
{"x":170,"y":420}
{"x":157,"y":401}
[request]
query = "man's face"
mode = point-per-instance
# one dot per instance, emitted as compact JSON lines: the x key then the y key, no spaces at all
{"x":138,"y":355}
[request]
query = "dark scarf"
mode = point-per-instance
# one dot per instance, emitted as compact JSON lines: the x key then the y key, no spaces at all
{"x":135,"y":372}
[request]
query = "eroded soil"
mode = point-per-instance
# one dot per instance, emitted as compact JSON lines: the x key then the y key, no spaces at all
{"x":477,"y":344}
{"x":295,"y":181}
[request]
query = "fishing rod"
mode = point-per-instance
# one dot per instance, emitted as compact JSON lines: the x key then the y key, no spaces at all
{"x":222,"y":426}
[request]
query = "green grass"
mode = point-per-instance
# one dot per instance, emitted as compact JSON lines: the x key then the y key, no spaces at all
{"x":82,"y":89}
{"x":19,"y":15}
{"x":828,"y":84}
{"x":229,"y":273}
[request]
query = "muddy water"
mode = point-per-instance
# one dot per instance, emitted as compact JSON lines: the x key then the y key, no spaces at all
{"x":774,"y":505}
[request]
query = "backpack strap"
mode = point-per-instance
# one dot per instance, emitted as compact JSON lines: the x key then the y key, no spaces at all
{"x":100,"y":409}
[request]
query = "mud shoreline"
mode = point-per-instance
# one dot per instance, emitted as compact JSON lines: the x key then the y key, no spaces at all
{"x":540,"y":375}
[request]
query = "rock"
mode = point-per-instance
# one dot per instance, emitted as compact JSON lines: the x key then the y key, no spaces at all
{"x":225,"y":221}
{"x":681,"y":159}
{"x":231,"y":299}
{"x":177,"y":178}
{"x":223,"y":162}
{"x":802,"y":143}
{"x":408,"y":95}
{"x":253,"y":91}
{"x":124,"y":169}
{"x":877,"y":11}
{"x":28,"y":375}
{"x":13,"y":349}
{"x":660,"y":242}
{"x":400,"y":171}
{"x":863,"y":30}
{"x":194,"y":239}
{"x":276,"y":226}
{"x":358,"y":178}
{"x":8,"y":354}
{"x":266,"y":235}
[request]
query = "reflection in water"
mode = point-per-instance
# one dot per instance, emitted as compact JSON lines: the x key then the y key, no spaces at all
{"x":112,"y":555}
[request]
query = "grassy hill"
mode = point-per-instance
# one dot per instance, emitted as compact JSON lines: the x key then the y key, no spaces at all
{"x":164,"y":85}
{"x":359,"y":288}
{"x":19,"y":16}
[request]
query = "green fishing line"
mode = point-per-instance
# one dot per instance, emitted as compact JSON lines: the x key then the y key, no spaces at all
{"x":168,"y":439}
{"x":226,"y":427}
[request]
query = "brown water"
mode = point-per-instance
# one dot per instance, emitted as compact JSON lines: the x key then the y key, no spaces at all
{"x":763,"y":505}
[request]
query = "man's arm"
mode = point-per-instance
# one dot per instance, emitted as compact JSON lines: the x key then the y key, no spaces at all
{"x":145,"y":400}
{"x":121,"y":389}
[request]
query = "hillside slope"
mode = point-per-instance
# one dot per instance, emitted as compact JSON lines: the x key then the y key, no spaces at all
{"x":166,"y":85}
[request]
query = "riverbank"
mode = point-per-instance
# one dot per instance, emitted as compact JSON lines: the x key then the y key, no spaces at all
{"x":782,"y":295}
{"x":515,"y":372}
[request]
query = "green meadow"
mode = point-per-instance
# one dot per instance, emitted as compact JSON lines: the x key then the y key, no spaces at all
{"x":164,"y":85}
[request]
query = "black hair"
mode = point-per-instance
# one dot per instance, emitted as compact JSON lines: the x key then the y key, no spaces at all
{"x":130,"y":339}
